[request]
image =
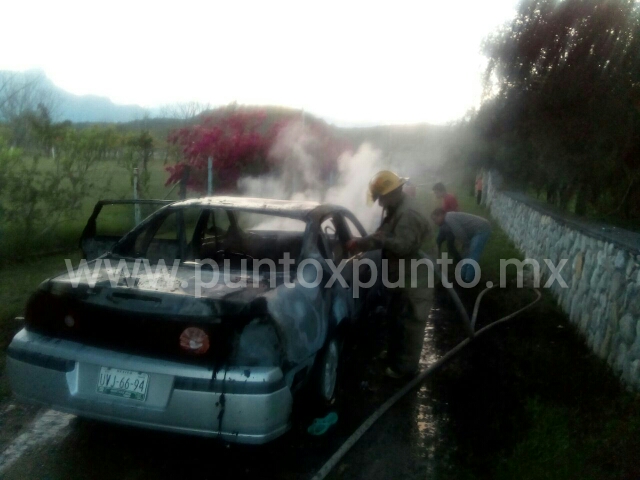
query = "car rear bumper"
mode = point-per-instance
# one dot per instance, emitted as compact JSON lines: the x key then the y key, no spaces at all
{"x":244,"y":405}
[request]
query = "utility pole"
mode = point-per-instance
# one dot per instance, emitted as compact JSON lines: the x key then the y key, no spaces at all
{"x":183,"y":182}
{"x":210,"y":176}
{"x":136,"y":206}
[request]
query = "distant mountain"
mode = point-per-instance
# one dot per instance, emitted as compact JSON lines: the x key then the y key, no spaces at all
{"x":91,"y":108}
{"x":78,"y":108}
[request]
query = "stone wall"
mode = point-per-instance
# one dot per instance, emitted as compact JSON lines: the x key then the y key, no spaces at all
{"x":602,"y":273}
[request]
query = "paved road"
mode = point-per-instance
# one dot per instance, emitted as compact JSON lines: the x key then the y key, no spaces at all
{"x":410,"y":441}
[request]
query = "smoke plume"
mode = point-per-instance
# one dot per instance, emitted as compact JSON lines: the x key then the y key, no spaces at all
{"x":301,"y":176}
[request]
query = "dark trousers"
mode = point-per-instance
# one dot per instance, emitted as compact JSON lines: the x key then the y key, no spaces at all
{"x":407,"y":317}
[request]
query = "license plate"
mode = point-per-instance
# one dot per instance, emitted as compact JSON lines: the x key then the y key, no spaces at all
{"x":123,"y":383}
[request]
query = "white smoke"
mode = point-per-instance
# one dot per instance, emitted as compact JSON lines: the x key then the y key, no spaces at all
{"x":300,"y":177}
{"x":350,"y":188}
{"x":293,"y":149}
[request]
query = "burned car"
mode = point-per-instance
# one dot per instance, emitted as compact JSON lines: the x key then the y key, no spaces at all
{"x":207,"y":318}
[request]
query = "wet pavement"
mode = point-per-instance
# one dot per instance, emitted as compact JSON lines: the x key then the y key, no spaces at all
{"x":412,"y":440}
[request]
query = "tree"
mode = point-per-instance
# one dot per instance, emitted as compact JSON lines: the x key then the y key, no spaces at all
{"x":186,"y":111}
{"x":36,"y":198}
{"x":251,"y":142}
{"x":564,"y":114}
{"x":21,"y":97}
{"x":43,"y":131}
{"x":238,"y":142}
{"x":137,"y":153}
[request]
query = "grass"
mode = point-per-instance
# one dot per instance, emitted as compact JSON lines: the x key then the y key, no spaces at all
{"x":111,"y":181}
{"x":530,"y":400}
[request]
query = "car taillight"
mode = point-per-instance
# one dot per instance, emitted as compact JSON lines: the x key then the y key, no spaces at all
{"x":194,"y":340}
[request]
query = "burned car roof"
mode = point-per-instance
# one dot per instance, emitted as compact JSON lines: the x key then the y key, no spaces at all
{"x":287,"y":208}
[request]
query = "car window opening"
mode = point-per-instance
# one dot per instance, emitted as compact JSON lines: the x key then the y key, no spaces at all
{"x":195,"y":233}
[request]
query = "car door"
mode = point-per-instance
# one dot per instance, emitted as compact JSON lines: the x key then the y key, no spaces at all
{"x":348,"y":227}
{"x":111,"y":220}
{"x":299,"y":307}
{"x":332,"y":245}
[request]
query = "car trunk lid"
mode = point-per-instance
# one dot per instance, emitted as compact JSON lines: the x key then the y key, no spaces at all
{"x":137,"y":314}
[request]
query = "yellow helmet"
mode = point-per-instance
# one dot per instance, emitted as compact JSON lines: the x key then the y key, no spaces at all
{"x":382,"y":183}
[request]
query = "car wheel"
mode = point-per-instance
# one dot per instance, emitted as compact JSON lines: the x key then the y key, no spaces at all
{"x":327,"y":371}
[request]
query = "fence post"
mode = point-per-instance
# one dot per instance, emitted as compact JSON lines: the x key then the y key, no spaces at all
{"x":183,"y":182}
{"x":210,"y":176}
{"x":136,"y":206}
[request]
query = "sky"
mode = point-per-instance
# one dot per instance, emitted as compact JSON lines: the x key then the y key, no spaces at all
{"x":351,"y":62}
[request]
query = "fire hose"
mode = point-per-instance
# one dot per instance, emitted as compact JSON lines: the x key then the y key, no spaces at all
{"x":422,"y":376}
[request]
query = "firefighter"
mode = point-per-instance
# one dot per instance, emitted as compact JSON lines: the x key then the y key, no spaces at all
{"x":400,"y":236}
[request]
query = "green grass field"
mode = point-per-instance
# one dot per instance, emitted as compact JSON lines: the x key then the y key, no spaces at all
{"x":110,"y":181}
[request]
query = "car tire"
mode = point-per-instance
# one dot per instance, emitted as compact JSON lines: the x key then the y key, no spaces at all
{"x":325,"y":378}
